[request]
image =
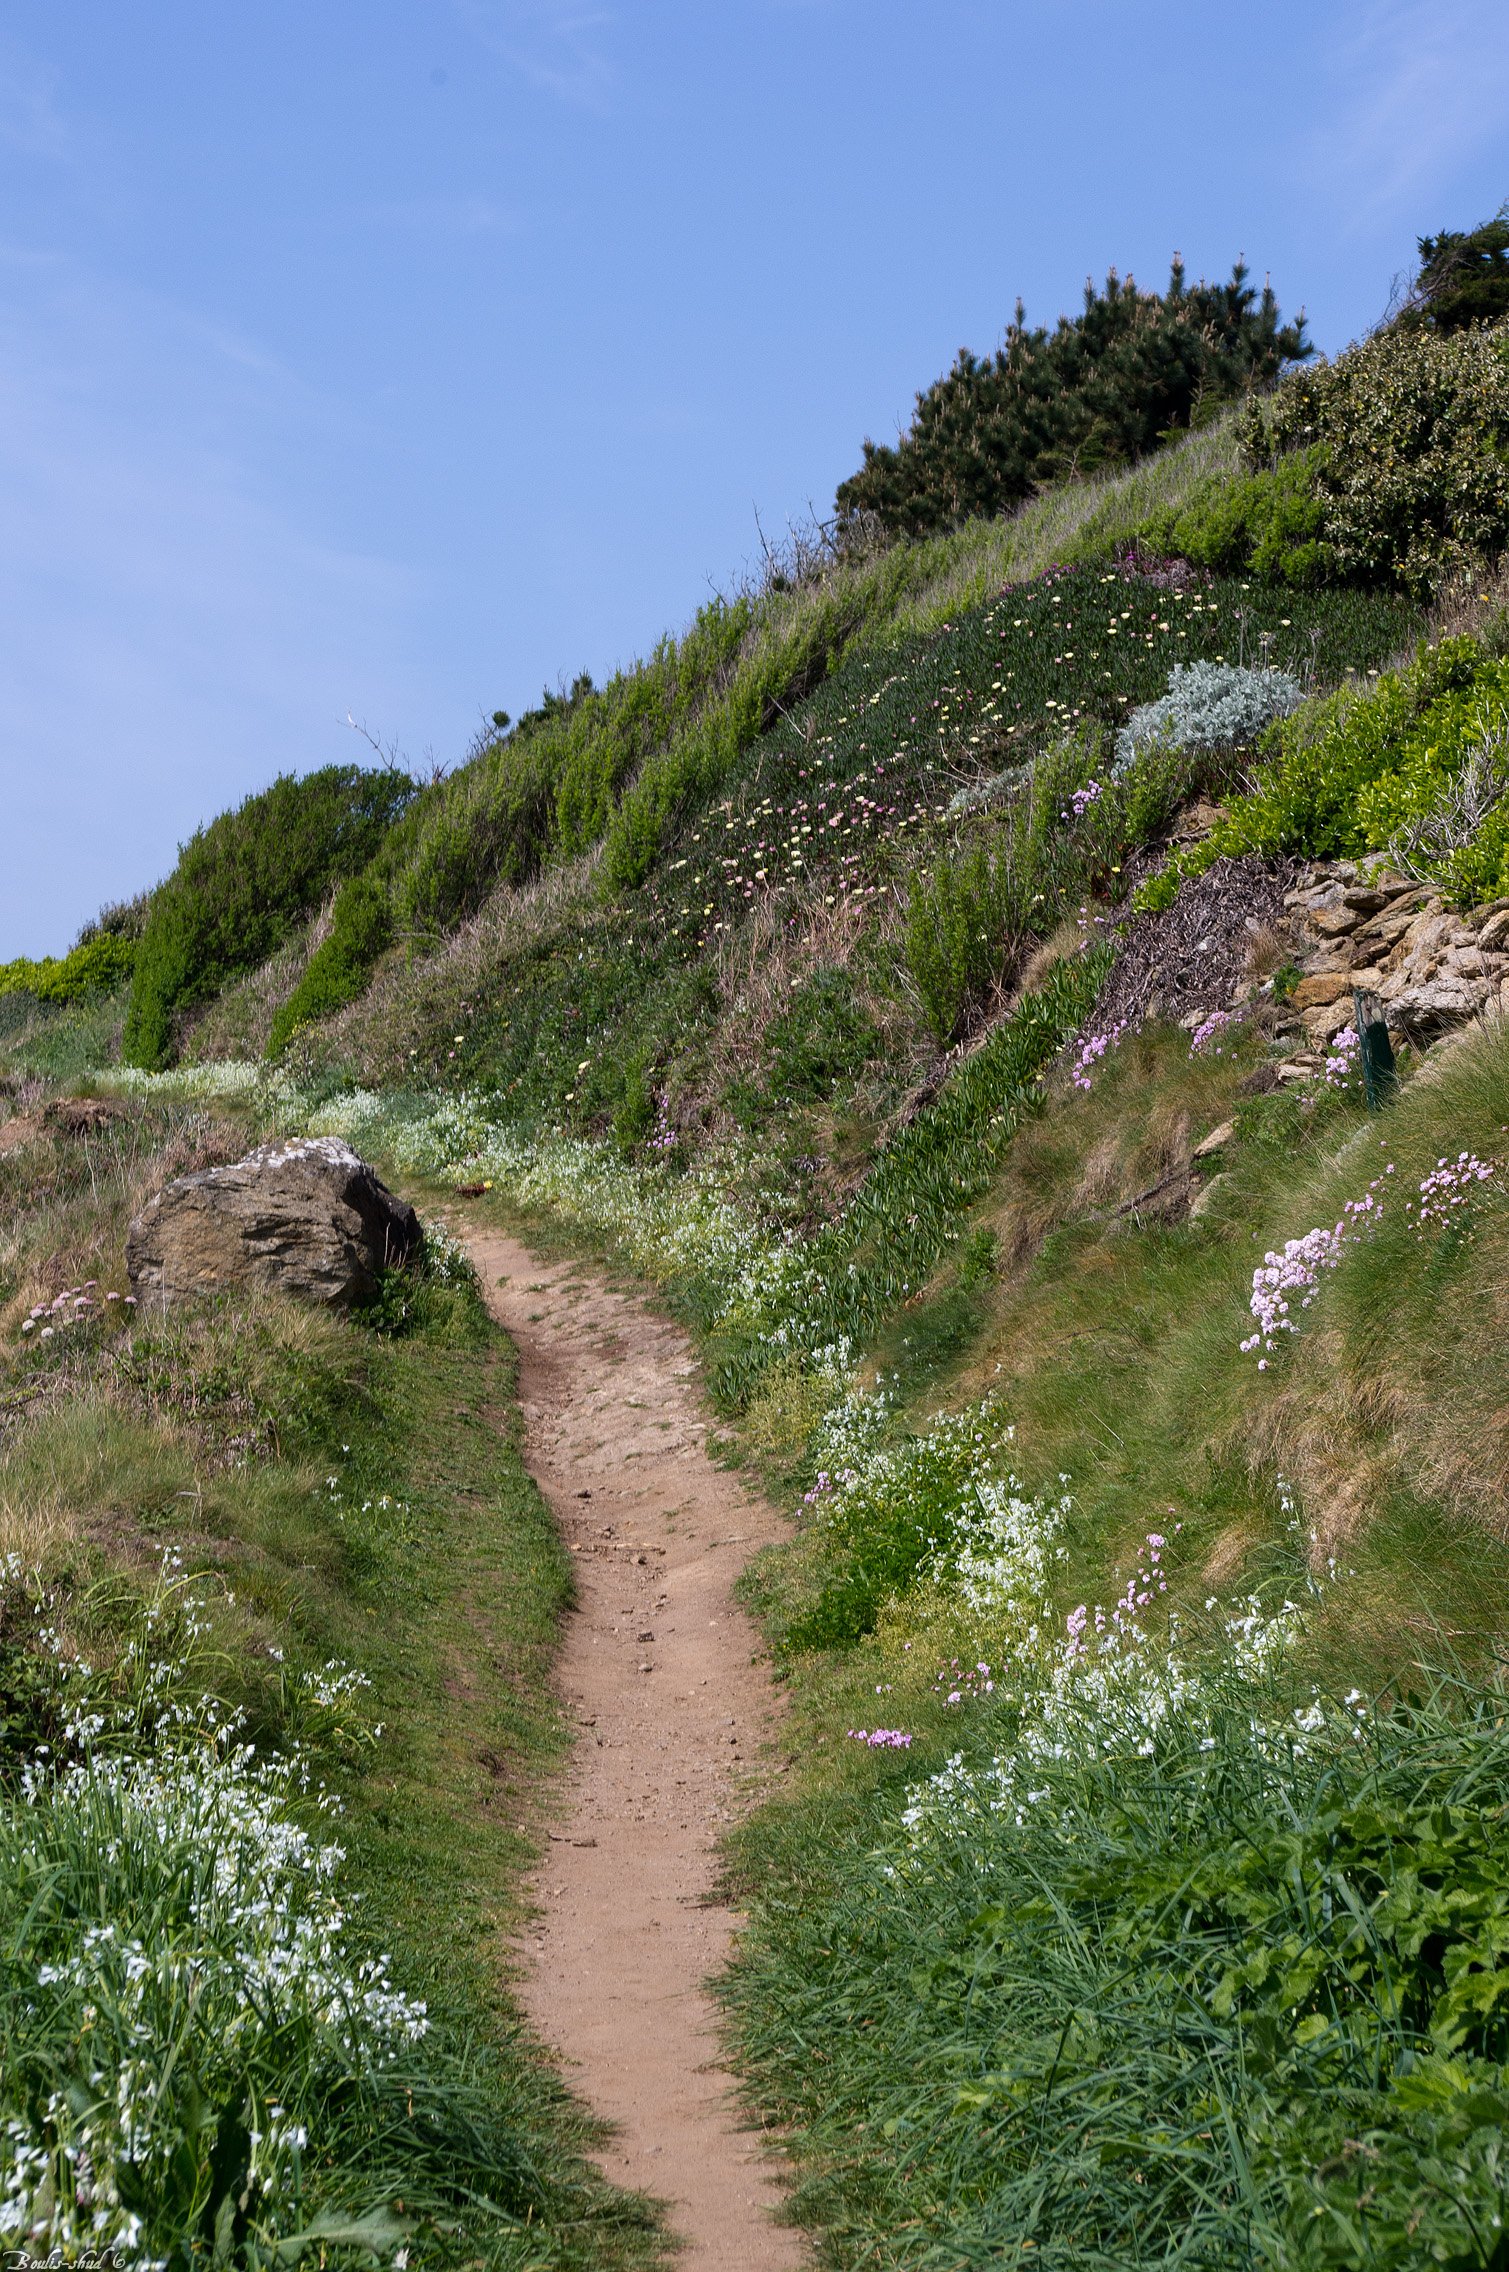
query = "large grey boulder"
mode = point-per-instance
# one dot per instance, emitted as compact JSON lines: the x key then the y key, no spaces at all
{"x":308,"y":1217}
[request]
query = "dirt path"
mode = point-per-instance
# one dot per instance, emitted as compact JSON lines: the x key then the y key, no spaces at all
{"x":678,"y":1726}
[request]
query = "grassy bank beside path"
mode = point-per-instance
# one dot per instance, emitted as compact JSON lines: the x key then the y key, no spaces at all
{"x":449,"y":1813}
{"x":253,"y":1524}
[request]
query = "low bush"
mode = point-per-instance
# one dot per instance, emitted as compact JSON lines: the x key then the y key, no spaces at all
{"x":1209,"y":706}
{"x":1383,"y":773}
{"x":1270,"y":524}
{"x":96,"y":966}
{"x":243,"y":882}
{"x":361,"y":925}
{"x":1405,"y":441}
{"x":965,"y":927}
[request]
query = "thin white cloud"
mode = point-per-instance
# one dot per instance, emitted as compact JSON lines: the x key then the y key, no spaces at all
{"x":559,"y":46}
{"x":175,"y":634}
{"x":449,"y":216}
{"x":29,"y":119}
{"x":1420,"y":86}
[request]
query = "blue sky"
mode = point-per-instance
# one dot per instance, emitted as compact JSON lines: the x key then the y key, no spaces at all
{"x":395,"y":359}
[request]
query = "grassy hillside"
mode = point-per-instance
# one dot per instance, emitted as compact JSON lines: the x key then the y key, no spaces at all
{"x":896,"y":970}
{"x":257,"y":1527}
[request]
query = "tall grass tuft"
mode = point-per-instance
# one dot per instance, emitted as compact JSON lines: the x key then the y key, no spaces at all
{"x":201,"y":2062}
{"x":1233,"y":1996}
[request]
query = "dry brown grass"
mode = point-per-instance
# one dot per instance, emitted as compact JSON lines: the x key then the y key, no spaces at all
{"x":769,"y":958}
{"x":1477,"y":606}
{"x":411,"y":998}
{"x":1269,"y":948}
{"x":1066,"y":940}
{"x":66,"y":1200}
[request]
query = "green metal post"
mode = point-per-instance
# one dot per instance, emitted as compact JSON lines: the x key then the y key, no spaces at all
{"x":1380,"y":1075}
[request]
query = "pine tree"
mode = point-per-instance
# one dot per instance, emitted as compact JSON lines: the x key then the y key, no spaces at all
{"x":1100,"y":389}
{"x":1463,"y":279}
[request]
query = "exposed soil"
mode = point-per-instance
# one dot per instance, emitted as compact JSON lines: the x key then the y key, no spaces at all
{"x":679,"y":1729}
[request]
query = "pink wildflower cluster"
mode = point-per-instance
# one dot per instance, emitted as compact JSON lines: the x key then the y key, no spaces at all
{"x":1092,"y":1050}
{"x":663,"y":1137}
{"x":69,"y":1308}
{"x":826,"y":1483}
{"x":1297,"y":1269}
{"x":1142,"y":1589}
{"x":1341,"y":1065}
{"x":1170,"y":572}
{"x":893,"y":1739}
{"x":1082,"y":800}
{"x":1207,"y":1031}
{"x":958,"y":1684}
{"x":1448,"y":1191}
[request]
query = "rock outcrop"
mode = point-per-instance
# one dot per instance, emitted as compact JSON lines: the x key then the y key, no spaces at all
{"x":1432,"y":969}
{"x":308,"y":1217}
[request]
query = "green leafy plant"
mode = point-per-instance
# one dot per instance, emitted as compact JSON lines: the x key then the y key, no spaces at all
{"x":965,"y":927}
{"x":633,"y":1117}
{"x":242,"y":883}
{"x":1270,"y":524}
{"x":1384,"y":771}
{"x":361,"y":925}
{"x":96,"y":966}
{"x":1405,"y":442}
{"x":1233,"y":1997}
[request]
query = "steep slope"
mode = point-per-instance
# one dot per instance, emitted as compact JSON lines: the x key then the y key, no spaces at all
{"x":935,"y":976}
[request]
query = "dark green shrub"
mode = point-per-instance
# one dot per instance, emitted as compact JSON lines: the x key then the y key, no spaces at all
{"x":243,"y":882}
{"x":965,"y":928}
{"x":1101,"y":389}
{"x":118,"y":919}
{"x":1463,"y":279}
{"x":360,"y":927}
{"x":634,"y":1116}
{"x":970,"y":918}
{"x":488,"y":823}
{"x":1406,"y":438}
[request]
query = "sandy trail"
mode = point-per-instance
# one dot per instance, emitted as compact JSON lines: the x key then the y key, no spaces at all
{"x":678,"y":1727}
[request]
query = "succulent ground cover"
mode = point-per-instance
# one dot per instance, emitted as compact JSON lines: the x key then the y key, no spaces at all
{"x":888,"y":742}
